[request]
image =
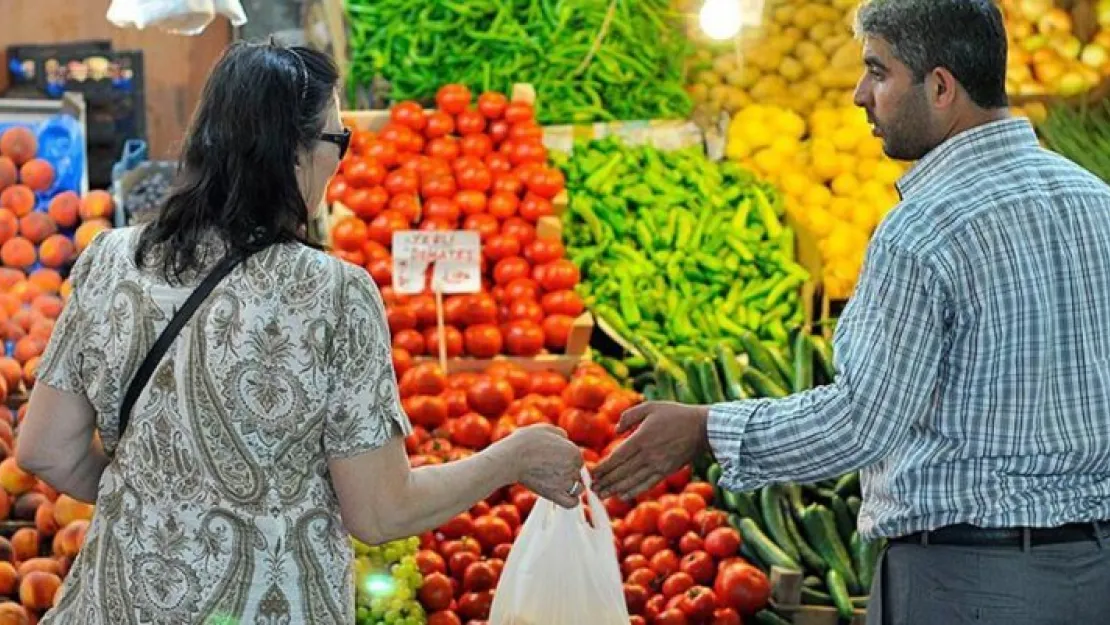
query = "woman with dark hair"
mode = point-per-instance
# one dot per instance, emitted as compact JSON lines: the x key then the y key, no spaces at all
{"x":229,"y":474}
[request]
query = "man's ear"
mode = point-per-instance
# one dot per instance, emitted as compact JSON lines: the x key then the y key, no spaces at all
{"x":941,"y":87}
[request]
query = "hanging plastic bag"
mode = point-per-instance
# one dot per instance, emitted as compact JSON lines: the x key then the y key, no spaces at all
{"x":562,"y":571}
{"x":180,"y":17}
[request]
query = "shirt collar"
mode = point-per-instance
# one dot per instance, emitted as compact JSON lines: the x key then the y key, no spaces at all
{"x":981,"y":143}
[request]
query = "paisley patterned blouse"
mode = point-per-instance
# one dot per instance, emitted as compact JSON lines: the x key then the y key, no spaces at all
{"x":217,"y":507}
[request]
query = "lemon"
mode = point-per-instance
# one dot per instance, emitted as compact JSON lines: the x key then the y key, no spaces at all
{"x":769,"y":161}
{"x":817,"y":196}
{"x":842,"y":208}
{"x":784,"y":15}
{"x":805,"y":17}
{"x":819,"y":221}
{"x":845,"y":185}
{"x":864,"y":217}
{"x":791,"y":69}
{"x":737,"y":99}
{"x":870,"y":147}
{"x":887,"y":172}
{"x":808,"y":93}
{"x":814,"y":61}
{"x":805,"y":48}
{"x":795,"y":184}
{"x":845,"y":139}
{"x":821,"y":31}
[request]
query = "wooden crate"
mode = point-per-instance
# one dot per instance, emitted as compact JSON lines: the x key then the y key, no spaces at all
{"x":786,"y":598}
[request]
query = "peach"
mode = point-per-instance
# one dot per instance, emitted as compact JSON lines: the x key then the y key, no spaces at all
{"x":57,"y":251}
{"x":19,"y":416}
{"x":5,"y":502}
{"x":13,"y":479}
{"x":25,"y":542}
{"x":46,"y":490}
{"x":26,"y":291}
{"x":44,"y":519}
{"x":44,"y":565}
{"x":5,"y":499}
{"x":31,"y":371}
{"x":9,"y":225}
{"x":68,"y":540}
{"x":65,"y":289}
{"x":18,"y":252}
{"x":12,"y":331}
{"x":28,"y":347}
{"x":68,"y":511}
{"x":9,"y":578}
{"x":38,"y":174}
{"x":19,"y":199}
{"x":96,"y":205}
{"x":65,"y":209}
{"x":46,"y":278}
{"x":8,"y":172}
{"x":87,"y":231}
{"x":14,"y":614}
{"x":19,"y":144}
{"x":43,"y":329}
{"x":11,"y":371}
{"x":26,"y":505}
{"x":65,"y":564}
{"x":7,"y":552}
{"x":58,"y":594}
{"x":36,"y":590}
{"x":49,"y":306}
{"x":36,"y":226}
{"x":6,"y":433}
{"x":25,"y":317}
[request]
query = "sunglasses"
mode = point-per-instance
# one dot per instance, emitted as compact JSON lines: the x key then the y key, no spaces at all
{"x":342,"y":139}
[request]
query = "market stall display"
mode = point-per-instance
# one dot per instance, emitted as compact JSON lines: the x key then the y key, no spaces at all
{"x":1082,"y":135}
{"x":590,"y":60}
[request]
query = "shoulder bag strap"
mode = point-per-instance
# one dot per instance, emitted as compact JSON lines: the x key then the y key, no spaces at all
{"x":150,"y":363}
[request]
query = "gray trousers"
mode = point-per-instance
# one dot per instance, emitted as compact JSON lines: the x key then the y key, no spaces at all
{"x":1061,"y":584}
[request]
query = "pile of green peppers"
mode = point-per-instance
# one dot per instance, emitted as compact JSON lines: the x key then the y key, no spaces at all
{"x":635,"y":73}
{"x":679,"y":253}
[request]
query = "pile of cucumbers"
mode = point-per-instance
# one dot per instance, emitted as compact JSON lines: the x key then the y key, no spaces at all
{"x":810,"y":528}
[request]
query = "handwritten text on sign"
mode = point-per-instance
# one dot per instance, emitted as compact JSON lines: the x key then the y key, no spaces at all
{"x":455,"y":255}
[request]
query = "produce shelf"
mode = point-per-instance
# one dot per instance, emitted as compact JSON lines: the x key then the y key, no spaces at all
{"x":786,"y":598}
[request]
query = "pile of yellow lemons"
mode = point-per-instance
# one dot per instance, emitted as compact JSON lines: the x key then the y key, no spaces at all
{"x":1047,"y":54}
{"x":835,"y":179}
{"x":802,"y":55}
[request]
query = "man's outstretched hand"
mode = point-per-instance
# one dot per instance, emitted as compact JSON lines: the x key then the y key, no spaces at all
{"x":669,"y":436}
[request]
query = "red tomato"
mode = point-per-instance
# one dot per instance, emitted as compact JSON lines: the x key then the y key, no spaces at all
{"x":565,"y":302}
{"x":445,"y":148}
{"x":439,"y":124}
{"x":456,"y":402}
{"x":453,"y":98}
{"x":471,"y":202}
{"x":354,"y":257}
{"x":479,"y":576}
{"x":406,"y":205}
{"x":444,"y":617}
{"x":437,"y":593}
{"x":507,"y":513}
{"x":742,"y":587}
{"x":654,"y":608}
{"x":533,"y":207}
{"x":404,"y":138}
{"x":443,"y":208}
{"x":427,"y":411}
{"x":520,"y":152}
{"x":480,"y":308}
{"x":527,"y":130}
{"x":453,"y":340}
{"x":527,"y":309}
{"x":522,"y":230}
{"x":543,"y":251}
{"x":372,"y":250}
{"x":458,"y":526}
{"x":337,"y":190}
{"x":402,"y":362}
{"x":547,"y":183}
{"x":674,"y":523}
{"x":490,"y":396}
{"x":635,"y":598}
{"x":517,"y":112}
{"x":726,"y":616}
{"x":698,"y":604}
{"x":372,"y":203}
{"x":476,"y":605}
{"x":409,"y":340}
{"x":549,"y":383}
{"x":701,"y":489}
{"x":644,"y":577}
{"x":559,"y":275}
{"x":492,"y":531}
{"x":676,"y":584}
{"x":665,"y":562}
{"x":365,"y":172}
{"x":383,"y":226}
{"x":492,"y":104}
{"x":400,"y":318}
{"x":470,"y":122}
{"x":438,"y":186}
{"x":501,"y":246}
{"x":497,"y":163}
{"x":631,"y":543}
{"x":381,"y":270}
{"x":498,"y":130}
{"x":699,"y":565}
{"x":485,"y":224}
{"x":523,"y":338}
{"x":509,"y":269}
{"x":634,"y":562}
{"x":588,"y":391}
{"x":474,"y":177}
{"x":708,"y":520}
{"x":521,"y":288}
{"x":409,"y":114}
{"x":476,"y":145}
{"x":690,"y":543}
{"x":644,"y":518}
{"x":502,"y":205}
{"x":507,"y":183}
{"x":402,"y":181}
{"x":429,"y":562}
{"x":692,"y":503}
{"x":381,"y":151}
{"x":723,"y":542}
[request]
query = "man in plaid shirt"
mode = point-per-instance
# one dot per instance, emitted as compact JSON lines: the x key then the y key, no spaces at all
{"x":973,"y":362}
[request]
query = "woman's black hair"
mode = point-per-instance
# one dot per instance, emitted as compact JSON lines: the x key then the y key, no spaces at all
{"x":237,"y":175}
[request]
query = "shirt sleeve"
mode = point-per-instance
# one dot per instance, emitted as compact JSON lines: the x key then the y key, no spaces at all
{"x":887,"y":352}
{"x":63,"y":360}
{"x":365,"y":407}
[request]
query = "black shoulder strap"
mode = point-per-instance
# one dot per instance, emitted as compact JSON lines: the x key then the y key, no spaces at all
{"x":162,"y":345}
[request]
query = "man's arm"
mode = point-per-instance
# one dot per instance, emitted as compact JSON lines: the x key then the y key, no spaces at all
{"x":888,"y":349}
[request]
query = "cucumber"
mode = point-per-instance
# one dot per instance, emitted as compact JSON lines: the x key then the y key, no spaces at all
{"x":854,"y":504}
{"x":753,"y":558}
{"x":824,"y":353}
{"x":767,"y":550}
{"x":865,"y":557}
{"x":803,"y":362}
{"x":794,"y":498}
{"x":710,"y":382}
{"x":684,"y":394}
{"x":760,"y":358}
{"x":769,"y":503}
{"x":713,"y":474}
{"x":650,"y":393}
{"x":767,"y":617}
{"x":664,"y":381}
{"x":731,"y":372}
{"x":820,"y":528}
{"x":743,"y":504}
{"x":810,"y":558}
{"x":785,"y":369}
{"x":693,"y":378}
{"x":845,"y":522}
{"x":812,"y":596}
{"x":821,"y":495}
{"x":848,"y":485}
{"x":762,"y":384}
{"x":812,"y":581}
{"x":838,"y":589}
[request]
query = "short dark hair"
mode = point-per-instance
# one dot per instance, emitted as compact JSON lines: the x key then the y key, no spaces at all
{"x":237,"y":178}
{"x":966,"y":37}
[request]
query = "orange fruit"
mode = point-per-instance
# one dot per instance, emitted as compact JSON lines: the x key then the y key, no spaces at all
{"x":38,"y":174}
{"x":96,"y":205}
{"x":19,"y":144}
{"x":65,"y":208}
{"x":36,"y":226}
{"x":18,"y":198}
{"x":17,"y":252}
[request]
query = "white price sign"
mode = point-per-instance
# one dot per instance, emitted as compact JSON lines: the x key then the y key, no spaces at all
{"x":454,"y":254}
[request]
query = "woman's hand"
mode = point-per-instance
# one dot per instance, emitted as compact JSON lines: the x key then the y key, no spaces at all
{"x":547,"y":463}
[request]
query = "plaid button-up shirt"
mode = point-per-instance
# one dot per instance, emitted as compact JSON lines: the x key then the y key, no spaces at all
{"x":973,"y":362}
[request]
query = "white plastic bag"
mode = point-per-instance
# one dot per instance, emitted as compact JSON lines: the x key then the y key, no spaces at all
{"x":561,"y":571}
{"x":181,"y":17}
